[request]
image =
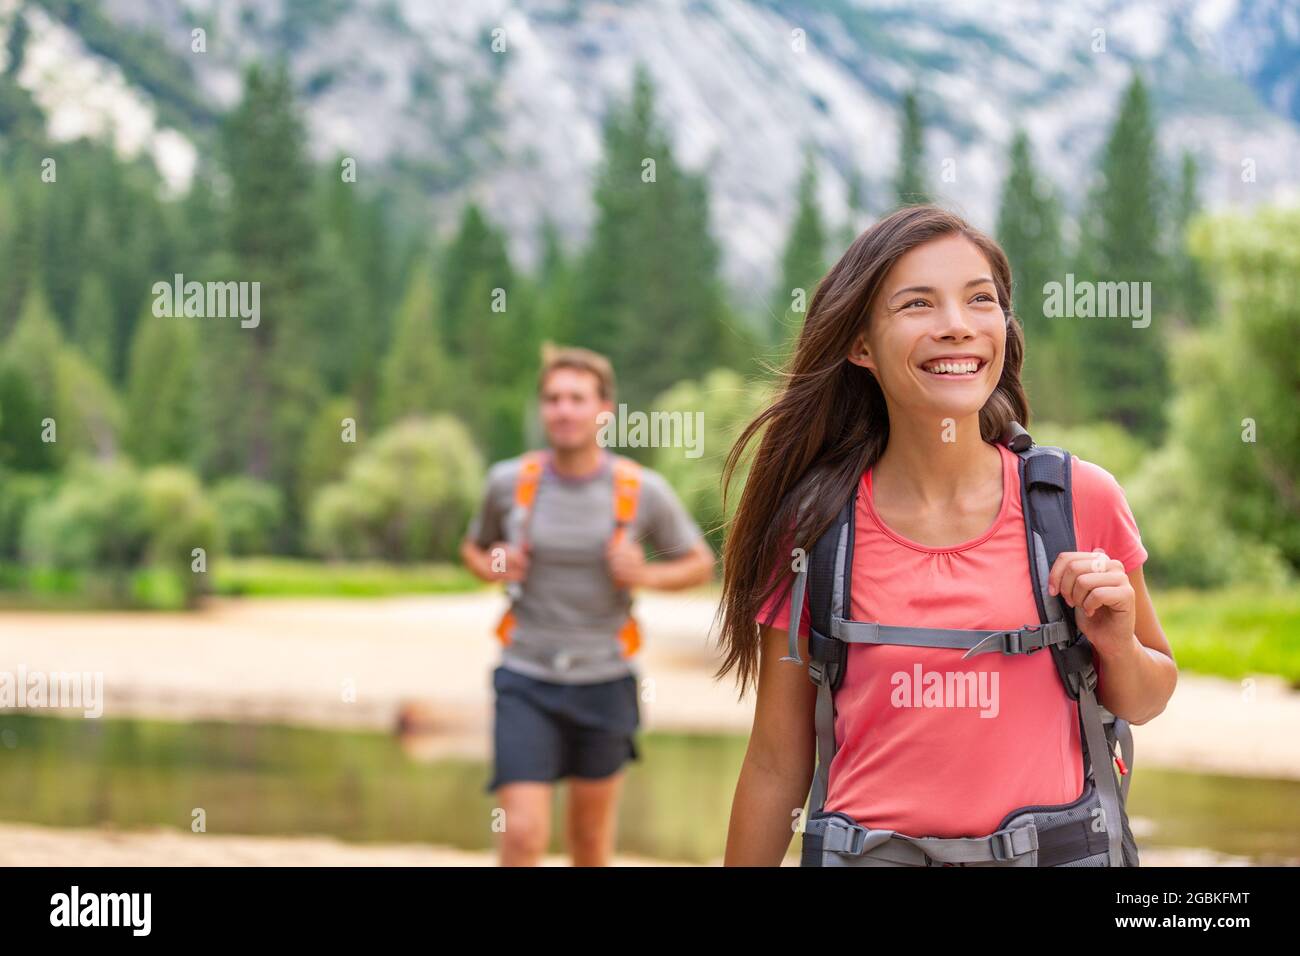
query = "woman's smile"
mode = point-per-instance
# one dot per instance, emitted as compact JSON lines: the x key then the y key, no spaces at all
{"x":954,"y":367}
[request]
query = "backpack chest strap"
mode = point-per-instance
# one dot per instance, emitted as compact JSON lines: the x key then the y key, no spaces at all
{"x":1023,"y":640}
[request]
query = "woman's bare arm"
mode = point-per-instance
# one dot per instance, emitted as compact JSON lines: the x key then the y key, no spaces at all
{"x":778,"y":767}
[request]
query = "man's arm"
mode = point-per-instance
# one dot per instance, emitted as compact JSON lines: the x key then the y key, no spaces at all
{"x":488,"y":557}
{"x":671,"y":531}
{"x":629,"y":568}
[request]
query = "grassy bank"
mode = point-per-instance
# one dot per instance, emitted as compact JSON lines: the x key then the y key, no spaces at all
{"x":1233,"y":632}
{"x":289,"y":577}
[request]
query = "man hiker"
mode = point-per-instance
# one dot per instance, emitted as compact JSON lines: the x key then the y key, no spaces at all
{"x":566,"y":529}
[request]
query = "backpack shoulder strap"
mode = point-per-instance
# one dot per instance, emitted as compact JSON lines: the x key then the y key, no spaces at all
{"x":531,"y":466}
{"x":1046,"y":495}
{"x":1049,"y":526}
{"x":627,"y":493}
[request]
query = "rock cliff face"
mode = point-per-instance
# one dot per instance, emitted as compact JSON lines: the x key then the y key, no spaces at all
{"x":503,"y":100}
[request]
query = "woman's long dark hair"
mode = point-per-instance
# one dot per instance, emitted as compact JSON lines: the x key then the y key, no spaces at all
{"x":830,"y":423}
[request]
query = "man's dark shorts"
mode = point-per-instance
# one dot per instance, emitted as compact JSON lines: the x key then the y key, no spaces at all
{"x":545,"y":731}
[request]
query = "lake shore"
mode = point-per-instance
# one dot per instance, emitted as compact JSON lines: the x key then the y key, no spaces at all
{"x":357,"y":663}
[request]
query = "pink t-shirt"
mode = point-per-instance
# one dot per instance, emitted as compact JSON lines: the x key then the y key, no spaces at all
{"x":930,"y":745}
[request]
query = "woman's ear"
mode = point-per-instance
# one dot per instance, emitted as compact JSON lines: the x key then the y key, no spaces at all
{"x":859,"y":354}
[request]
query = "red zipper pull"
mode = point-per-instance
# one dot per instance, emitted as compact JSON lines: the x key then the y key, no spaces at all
{"x":1123,"y":770}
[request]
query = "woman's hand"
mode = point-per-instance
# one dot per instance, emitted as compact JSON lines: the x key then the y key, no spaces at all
{"x":1097,"y":585}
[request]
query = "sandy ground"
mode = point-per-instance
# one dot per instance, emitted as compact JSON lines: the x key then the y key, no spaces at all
{"x":28,"y":845}
{"x":355,"y":663}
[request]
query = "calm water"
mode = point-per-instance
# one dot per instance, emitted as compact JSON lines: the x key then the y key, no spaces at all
{"x":257,"y":779}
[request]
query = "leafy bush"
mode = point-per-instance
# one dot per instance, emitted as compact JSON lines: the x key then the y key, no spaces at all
{"x":728,"y":403}
{"x":1189,"y":542}
{"x":406,"y":497}
{"x":251,"y":514}
{"x":136,"y":531}
{"x":22,"y":493}
{"x":1107,"y":444}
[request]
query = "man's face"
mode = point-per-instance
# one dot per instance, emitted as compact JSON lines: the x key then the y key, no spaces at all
{"x":570,"y":401}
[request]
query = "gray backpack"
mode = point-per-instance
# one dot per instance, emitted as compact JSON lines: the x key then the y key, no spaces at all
{"x":1092,"y":830}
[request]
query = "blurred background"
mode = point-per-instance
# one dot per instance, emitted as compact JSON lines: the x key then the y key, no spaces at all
{"x":250,"y":531}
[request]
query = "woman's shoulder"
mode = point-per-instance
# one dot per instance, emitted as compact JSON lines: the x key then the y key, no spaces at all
{"x":1091,"y":479}
{"x":1102,"y":516}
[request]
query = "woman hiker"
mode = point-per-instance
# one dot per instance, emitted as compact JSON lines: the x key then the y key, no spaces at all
{"x":950,"y":706}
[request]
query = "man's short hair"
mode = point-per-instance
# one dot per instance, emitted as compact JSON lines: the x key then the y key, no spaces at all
{"x":584,"y":360}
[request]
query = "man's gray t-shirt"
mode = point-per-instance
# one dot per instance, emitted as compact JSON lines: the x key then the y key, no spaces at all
{"x":568,"y":601}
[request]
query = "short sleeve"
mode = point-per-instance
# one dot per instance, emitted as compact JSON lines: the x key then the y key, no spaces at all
{"x":488,"y":524}
{"x":1102,"y":517}
{"x":669,"y":529}
{"x":777,"y":606}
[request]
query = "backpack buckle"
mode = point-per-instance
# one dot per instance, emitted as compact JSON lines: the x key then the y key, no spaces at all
{"x":844,"y":838}
{"x":1003,"y":846}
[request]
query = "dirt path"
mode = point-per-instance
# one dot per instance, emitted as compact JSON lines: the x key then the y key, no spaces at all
{"x":355,"y":662}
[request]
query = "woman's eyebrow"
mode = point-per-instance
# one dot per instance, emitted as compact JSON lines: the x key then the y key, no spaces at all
{"x":930,"y":289}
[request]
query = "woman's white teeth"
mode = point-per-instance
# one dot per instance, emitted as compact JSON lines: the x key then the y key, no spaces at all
{"x":953,"y":368}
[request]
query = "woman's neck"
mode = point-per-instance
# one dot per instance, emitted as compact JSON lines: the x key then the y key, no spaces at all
{"x":930,"y":464}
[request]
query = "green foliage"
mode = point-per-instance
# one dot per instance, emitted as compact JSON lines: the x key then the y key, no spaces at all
{"x":44,"y":379}
{"x":1236,"y":380}
{"x":910,"y":181}
{"x":1193,"y":295}
{"x":284,"y":577}
{"x":1234,"y":632}
{"x":251,"y":514}
{"x":649,"y":296}
{"x":728,"y":403}
{"x":1102,"y":443}
{"x":1029,"y":231}
{"x":98,"y":519}
{"x":93,"y":329}
{"x":111,"y":519}
{"x":161,"y":421}
{"x":803,"y":262}
{"x":1126,"y":378}
{"x":416,"y":375}
{"x":1189,"y":542}
{"x":272,"y":237}
{"x":406,"y":497}
{"x":22,"y":493}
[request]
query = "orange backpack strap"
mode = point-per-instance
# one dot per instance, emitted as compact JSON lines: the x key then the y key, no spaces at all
{"x":526,"y":483}
{"x":627,"y":494}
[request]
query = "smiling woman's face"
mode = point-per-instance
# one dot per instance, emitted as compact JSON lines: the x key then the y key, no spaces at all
{"x":937,"y":334}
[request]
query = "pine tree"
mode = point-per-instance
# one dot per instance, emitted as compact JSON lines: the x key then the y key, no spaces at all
{"x":856,"y":203}
{"x":94,"y":323}
{"x":1192,"y":291}
{"x":1125,"y":367}
{"x":804,"y":260}
{"x":270,"y":373}
{"x":649,"y":294}
{"x":1029,"y":231}
{"x":909,"y":184}
{"x":161,"y":420}
{"x":416,"y":376}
